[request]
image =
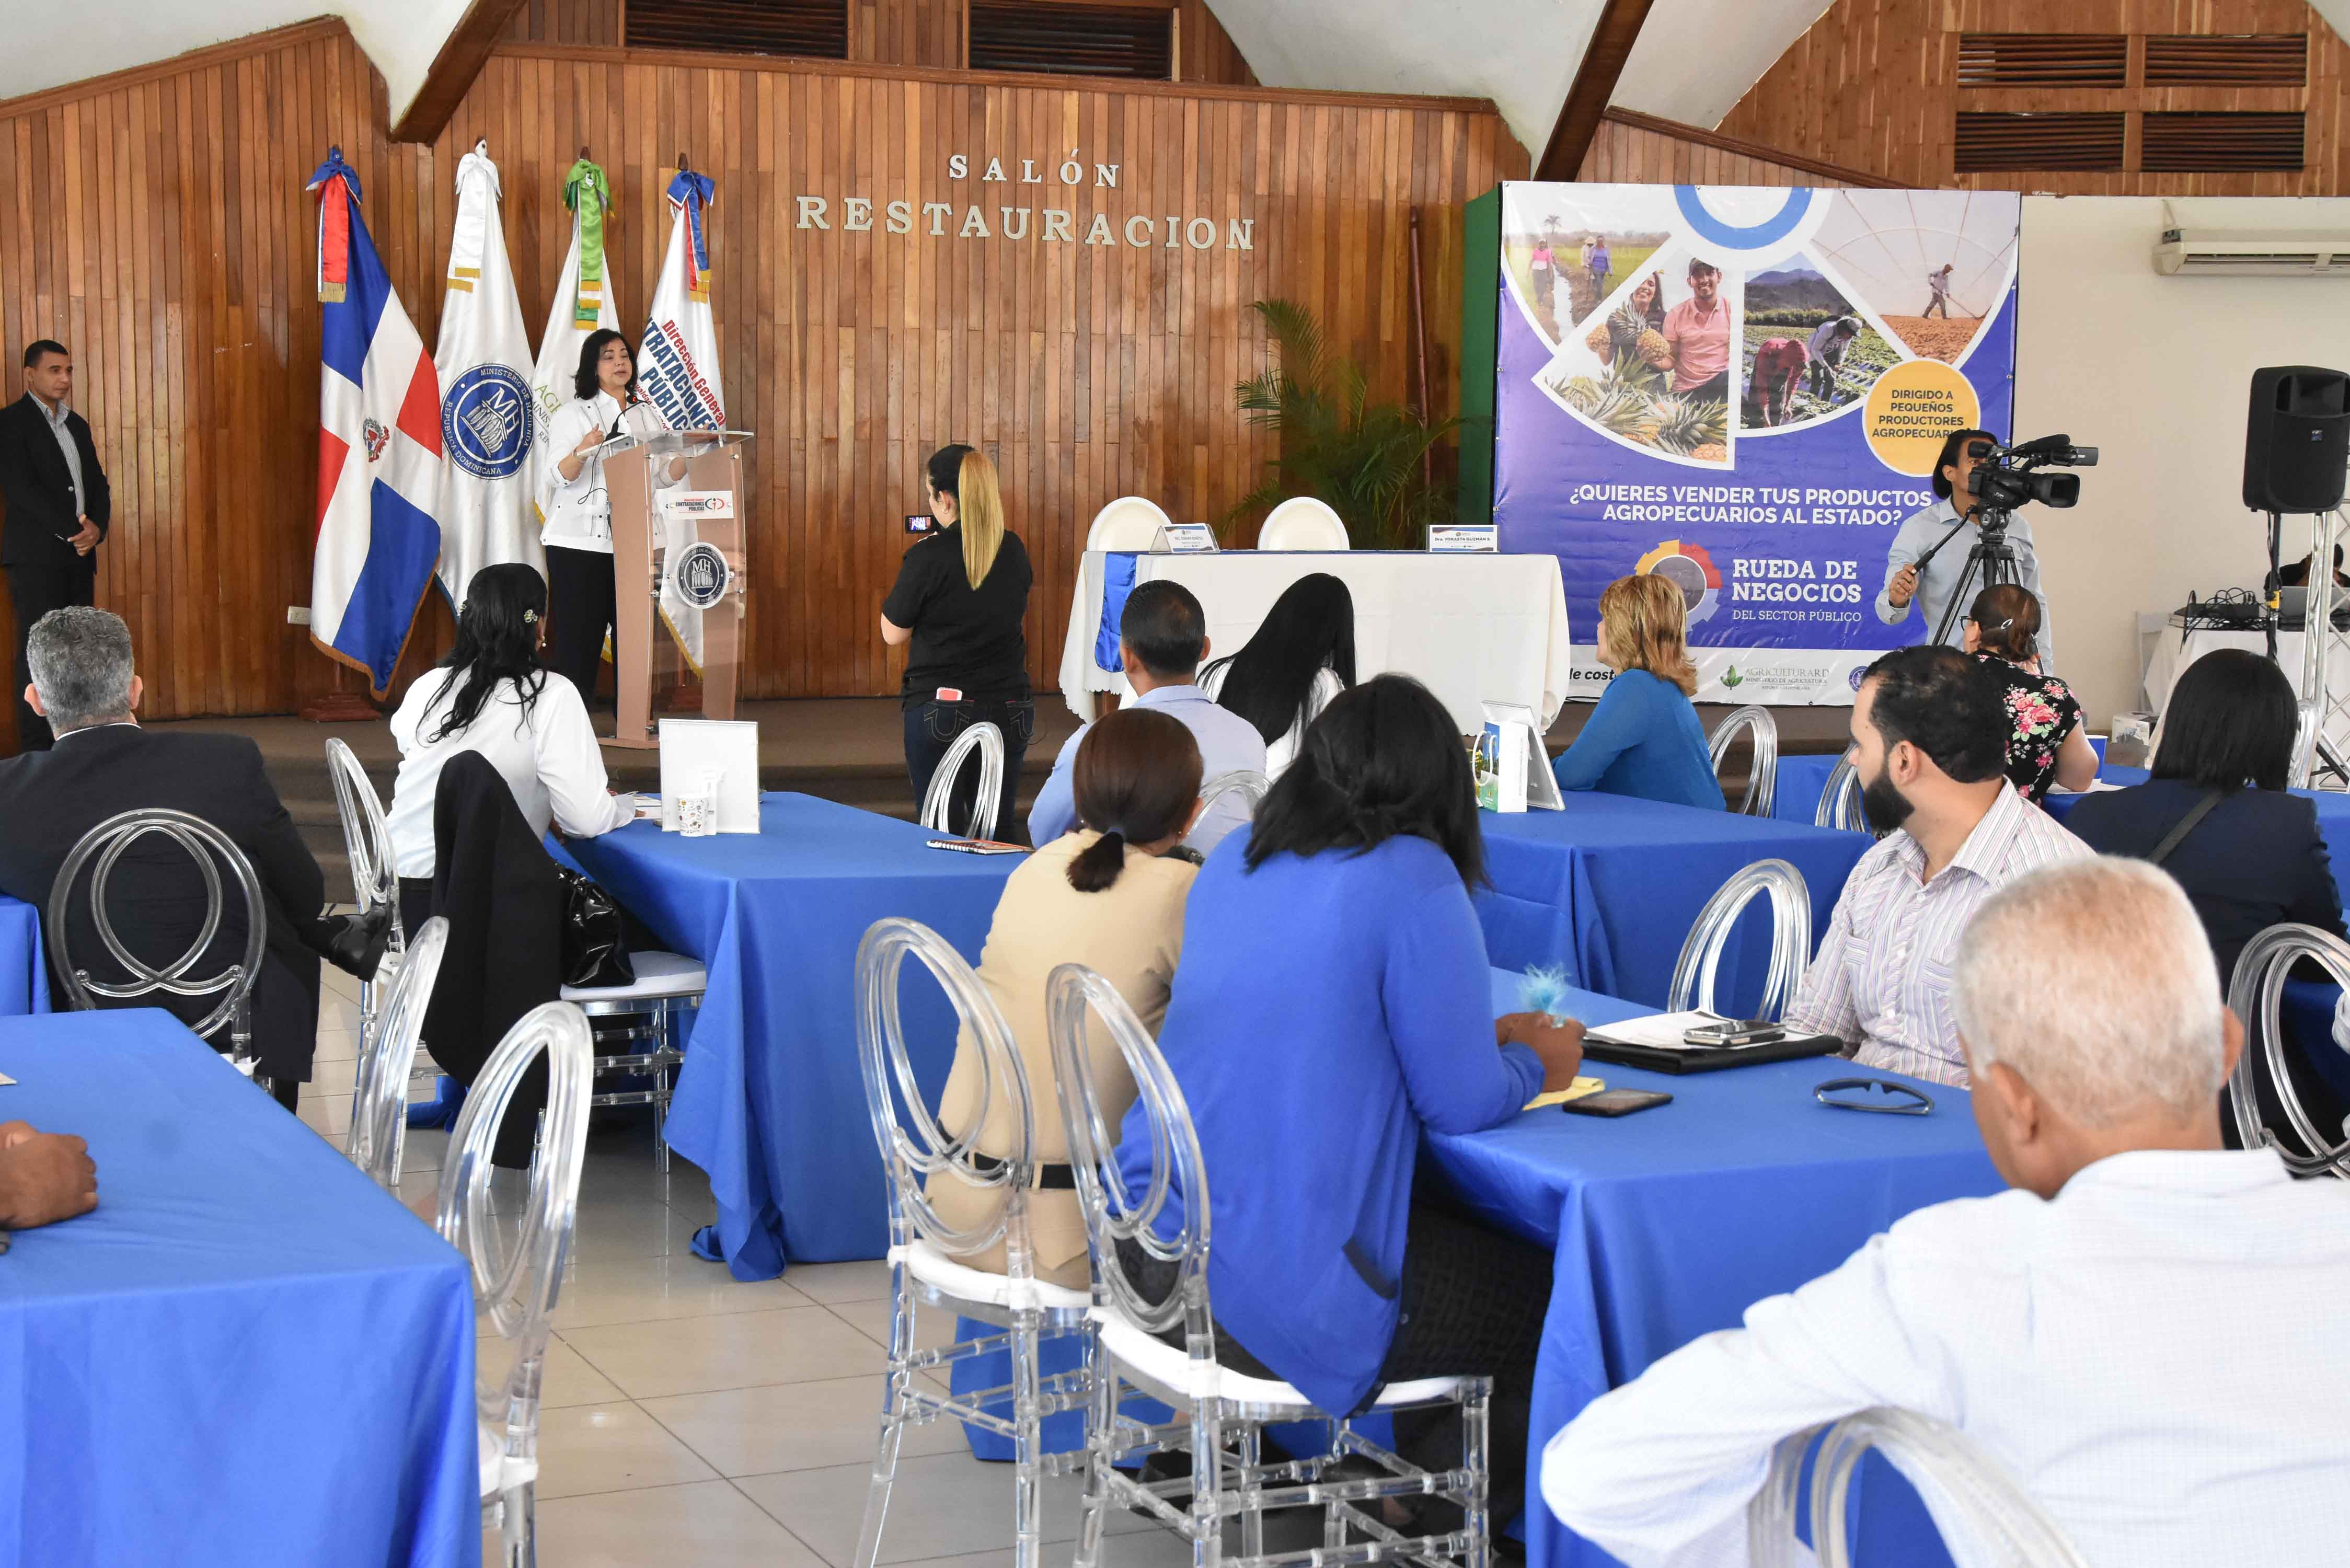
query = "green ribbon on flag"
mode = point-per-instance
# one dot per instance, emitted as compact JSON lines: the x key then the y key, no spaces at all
{"x":586,"y":192}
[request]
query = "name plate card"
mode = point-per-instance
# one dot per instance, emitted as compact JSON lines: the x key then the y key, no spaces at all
{"x":1463,"y":538}
{"x":1185,"y":539}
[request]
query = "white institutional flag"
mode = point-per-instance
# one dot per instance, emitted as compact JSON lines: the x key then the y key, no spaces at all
{"x":487,"y":514}
{"x":677,"y":368}
{"x":582,"y":305}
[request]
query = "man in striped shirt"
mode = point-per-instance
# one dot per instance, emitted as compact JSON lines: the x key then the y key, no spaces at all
{"x":1930,"y":743}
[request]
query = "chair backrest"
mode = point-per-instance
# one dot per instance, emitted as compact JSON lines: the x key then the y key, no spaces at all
{"x":914,"y":1147}
{"x":1128,"y":523}
{"x":2305,"y":736}
{"x":1980,"y":1507}
{"x":516,"y":1287}
{"x":375,"y":875}
{"x":2257,"y":996}
{"x":1790,"y":938}
{"x":388,"y":1055}
{"x":1078,"y":1000}
{"x":211,"y":849}
{"x":1840,"y":805}
{"x":1245,"y":782}
{"x":1763,"y":775}
{"x":988,"y":741}
{"x":1304,"y":523}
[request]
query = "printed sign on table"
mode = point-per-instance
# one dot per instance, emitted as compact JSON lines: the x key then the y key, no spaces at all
{"x":1743,"y":388}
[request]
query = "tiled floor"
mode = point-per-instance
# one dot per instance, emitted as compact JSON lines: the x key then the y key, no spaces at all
{"x":691,"y":1421}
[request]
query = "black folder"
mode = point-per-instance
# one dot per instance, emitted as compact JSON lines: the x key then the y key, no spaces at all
{"x":1709,"y":1059}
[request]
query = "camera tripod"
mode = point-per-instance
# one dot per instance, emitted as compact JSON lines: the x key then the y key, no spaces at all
{"x":1989,"y":564}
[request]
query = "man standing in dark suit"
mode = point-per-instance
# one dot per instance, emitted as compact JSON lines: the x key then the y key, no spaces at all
{"x":104,"y":763}
{"x":59,"y":507}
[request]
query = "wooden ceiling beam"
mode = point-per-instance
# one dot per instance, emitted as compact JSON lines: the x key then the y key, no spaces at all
{"x":1595,"y":83}
{"x":460,"y":60}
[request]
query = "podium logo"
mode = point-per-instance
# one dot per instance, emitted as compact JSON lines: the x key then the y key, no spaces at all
{"x":701,"y":577}
{"x":485,"y":421}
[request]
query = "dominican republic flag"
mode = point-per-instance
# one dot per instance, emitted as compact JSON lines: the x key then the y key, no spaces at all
{"x":378,"y":446}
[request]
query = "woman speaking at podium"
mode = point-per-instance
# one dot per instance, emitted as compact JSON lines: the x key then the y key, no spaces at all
{"x":579,"y":512}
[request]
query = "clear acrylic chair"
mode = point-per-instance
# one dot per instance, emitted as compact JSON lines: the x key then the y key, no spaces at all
{"x":988,"y":741}
{"x":645,"y":1019}
{"x":213,"y":852}
{"x":1840,"y":806}
{"x":2256,"y":996}
{"x":375,"y":875}
{"x":1245,"y":782}
{"x":923,"y":1247}
{"x":379,"y":1132}
{"x":1763,"y":774}
{"x":1220,"y":1416}
{"x":517,"y":1260}
{"x":1977,"y":1504}
{"x":1694,"y":973}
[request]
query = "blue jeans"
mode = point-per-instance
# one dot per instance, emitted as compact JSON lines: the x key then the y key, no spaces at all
{"x":931,"y":727}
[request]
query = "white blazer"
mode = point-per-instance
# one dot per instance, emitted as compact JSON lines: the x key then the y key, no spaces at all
{"x":578,"y":512}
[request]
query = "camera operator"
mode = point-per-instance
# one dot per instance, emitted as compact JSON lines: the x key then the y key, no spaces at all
{"x":1929,"y":588}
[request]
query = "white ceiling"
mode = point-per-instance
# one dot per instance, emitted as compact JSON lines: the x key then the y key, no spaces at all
{"x":1694,"y":60}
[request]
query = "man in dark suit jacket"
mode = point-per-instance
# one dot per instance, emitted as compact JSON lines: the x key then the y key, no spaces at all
{"x":59,"y":507}
{"x":104,"y":763}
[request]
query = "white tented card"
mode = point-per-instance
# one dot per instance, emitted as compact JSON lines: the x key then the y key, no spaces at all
{"x":698,"y":753}
{"x":1185,"y":539}
{"x":1463,"y":538}
{"x":1514,"y":770}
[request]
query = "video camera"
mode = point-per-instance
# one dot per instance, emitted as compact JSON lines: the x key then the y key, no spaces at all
{"x":2005,"y":477}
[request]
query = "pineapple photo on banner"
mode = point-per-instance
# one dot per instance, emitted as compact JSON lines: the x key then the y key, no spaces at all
{"x":1744,"y":389}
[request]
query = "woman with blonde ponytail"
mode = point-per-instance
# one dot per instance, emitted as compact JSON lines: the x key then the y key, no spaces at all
{"x":961,"y":601}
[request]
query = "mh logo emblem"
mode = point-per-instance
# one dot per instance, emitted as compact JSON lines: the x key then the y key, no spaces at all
{"x":701,"y":576}
{"x":485,"y":421}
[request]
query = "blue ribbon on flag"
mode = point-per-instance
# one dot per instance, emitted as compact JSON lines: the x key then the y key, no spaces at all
{"x":334,"y":168}
{"x":692,"y":192}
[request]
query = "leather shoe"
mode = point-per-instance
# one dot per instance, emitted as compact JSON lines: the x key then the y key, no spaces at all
{"x":357,"y":946}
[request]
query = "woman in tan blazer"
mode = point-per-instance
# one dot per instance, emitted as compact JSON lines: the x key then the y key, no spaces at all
{"x":1104,"y":896}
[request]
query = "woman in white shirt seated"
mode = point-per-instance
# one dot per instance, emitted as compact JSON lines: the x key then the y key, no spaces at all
{"x":1301,"y":658}
{"x":494,"y":695}
{"x":578,"y":530}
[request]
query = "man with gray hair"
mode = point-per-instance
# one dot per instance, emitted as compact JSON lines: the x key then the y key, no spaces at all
{"x":103,"y":764}
{"x":2114,"y":1333}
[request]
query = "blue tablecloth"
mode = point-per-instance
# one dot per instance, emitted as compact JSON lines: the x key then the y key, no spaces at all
{"x":1668,"y":1225}
{"x":1610,"y":886}
{"x":247,"y":1354}
{"x":2333,"y":817}
{"x":770,"y":1101}
{"x":1797,"y":796}
{"x":24,"y":969}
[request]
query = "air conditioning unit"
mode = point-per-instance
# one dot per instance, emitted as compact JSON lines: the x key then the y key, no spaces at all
{"x":2185,"y":252}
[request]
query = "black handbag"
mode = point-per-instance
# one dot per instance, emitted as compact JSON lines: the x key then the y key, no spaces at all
{"x":594,"y":949}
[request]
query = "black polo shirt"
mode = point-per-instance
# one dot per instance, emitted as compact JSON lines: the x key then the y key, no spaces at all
{"x":966,"y":638}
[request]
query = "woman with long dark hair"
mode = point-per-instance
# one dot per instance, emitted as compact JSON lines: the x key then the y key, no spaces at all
{"x":577,"y":535}
{"x":493,"y":694}
{"x":2047,"y":743}
{"x":962,"y":599}
{"x":1301,"y":656}
{"x":1334,"y":1001}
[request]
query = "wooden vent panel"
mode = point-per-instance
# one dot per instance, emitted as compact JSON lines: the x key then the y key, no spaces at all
{"x":1134,"y":41}
{"x":1988,"y":143}
{"x":815,"y":29}
{"x":2280,"y":59}
{"x":2043,"y":60}
{"x":2220,"y":143}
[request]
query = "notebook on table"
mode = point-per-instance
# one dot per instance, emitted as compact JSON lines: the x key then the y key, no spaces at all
{"x":1655,"y":1042}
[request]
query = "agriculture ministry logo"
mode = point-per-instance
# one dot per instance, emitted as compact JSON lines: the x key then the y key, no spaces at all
{"x":702,"y":576}
{"x":1689,"y":568}
{"x":485,"y":421}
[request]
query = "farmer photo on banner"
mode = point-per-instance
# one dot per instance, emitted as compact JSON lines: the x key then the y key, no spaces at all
{"x":488,"y":514}
{"x":677,"y":369}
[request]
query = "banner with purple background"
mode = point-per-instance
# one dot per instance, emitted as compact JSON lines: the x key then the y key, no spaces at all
{"x":1743,"y":388}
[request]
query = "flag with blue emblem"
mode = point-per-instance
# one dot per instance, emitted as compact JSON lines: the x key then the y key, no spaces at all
{"x":582,"y":305}
{"x":488,"y":514}
{"x":677,"y":369}
{"x":378,"y":446}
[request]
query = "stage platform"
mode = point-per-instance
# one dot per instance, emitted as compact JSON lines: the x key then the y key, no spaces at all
{"x":849,"y":749}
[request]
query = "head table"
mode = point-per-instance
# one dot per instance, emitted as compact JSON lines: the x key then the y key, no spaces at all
{"x":247,"y":1354}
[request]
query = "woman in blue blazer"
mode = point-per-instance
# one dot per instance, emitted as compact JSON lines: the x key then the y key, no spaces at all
{"x":1334,"y":1001}
{"x":1644,"y":738}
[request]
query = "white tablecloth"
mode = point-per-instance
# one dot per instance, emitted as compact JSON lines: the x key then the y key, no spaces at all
{"x":1475,"y":629}
{"x":2167,"y":654}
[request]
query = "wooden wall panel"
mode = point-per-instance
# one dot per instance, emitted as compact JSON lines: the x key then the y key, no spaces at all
{"x":568,"y":22}
{"x":1639,"y":150}
{"x":1871,"y":86}
{"x":160,"y":229}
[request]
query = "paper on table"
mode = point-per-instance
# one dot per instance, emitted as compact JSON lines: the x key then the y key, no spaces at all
{"x":1659,"y":1031}
{"x":1574,"y":1091}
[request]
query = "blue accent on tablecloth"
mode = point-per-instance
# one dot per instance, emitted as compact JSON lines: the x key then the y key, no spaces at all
{"x":771,"y":1101}
{"x":24,"y":969}
{"x":1118,"y":581}
{"x":1797,"y":796}
{"x":248,"y":1354}
{"x":1668,"y":1224}
{"x":1610,"y":886}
